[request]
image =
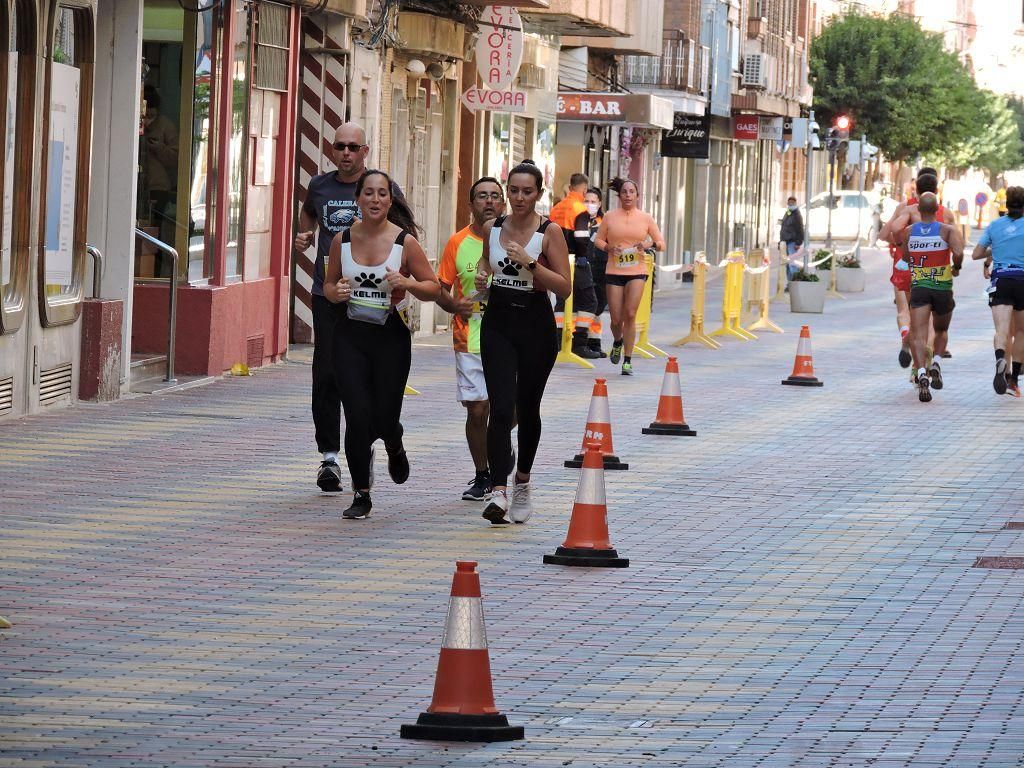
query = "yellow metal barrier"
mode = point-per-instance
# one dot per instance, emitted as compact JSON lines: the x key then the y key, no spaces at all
{"x":759,"y":270}
{"x":732,"y":299}
{"x":565,"y":353}
{"x":697,"y":334}
{"x":643,"y":346}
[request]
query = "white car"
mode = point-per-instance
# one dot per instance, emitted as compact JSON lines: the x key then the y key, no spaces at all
{"x":845,"y":207}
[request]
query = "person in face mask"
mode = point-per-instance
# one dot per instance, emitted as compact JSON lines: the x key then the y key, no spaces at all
{"x":791,"y":234}
{"x":565,"y":214}
{"x":584,"y":232}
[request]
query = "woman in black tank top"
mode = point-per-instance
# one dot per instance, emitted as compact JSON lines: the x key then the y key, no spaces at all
{"x":526,"y":258}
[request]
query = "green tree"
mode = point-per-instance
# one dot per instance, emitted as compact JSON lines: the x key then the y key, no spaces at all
{"x":998,"y":146}
{"x":897,"y":82}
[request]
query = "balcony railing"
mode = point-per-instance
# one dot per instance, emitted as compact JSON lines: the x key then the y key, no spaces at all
{"x":683,"y":66}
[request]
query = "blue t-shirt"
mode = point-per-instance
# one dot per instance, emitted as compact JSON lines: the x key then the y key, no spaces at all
{"x":1005,"y":236}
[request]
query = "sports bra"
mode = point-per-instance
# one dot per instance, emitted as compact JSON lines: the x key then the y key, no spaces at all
{"x":372,"y":298}
{"x":505,"y":273}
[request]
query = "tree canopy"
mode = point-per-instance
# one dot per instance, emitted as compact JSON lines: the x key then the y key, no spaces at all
{"x":897,"y":83}
{"x":996,"y":148}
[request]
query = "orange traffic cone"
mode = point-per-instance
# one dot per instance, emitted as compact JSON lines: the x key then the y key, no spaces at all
{"x":803,"y":366}
{"x":587,"y":541}
{"x":669,"y":420}
{"x":599,"y":427}
{"x":463,"y":705}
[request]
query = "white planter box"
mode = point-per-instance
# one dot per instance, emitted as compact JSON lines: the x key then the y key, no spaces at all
{"x":850,"y":280}
{"x":806,"y":296}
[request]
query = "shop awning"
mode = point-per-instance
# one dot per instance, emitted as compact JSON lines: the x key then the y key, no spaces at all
{"x":642,"y":110}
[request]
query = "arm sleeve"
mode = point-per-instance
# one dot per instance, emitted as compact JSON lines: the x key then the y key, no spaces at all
{"x":446,"y":266}
{"x":581,"y":235}
{"x":986,"y":237}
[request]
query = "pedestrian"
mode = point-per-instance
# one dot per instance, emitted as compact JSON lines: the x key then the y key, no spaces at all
{"x":329,"y":208}
{"x":457,"y":275}
{"x":373,"y":268}
{"x":625,"y":234}
{"x":564,"y":214}
{"x":1005,"y":237}
{"x":524,"y":258}
{"x":584,"y":232}
{"x":791,"y":234}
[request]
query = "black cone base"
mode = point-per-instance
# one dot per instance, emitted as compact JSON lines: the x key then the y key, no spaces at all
{"x":668,"y":429}
{"x":610,"y":462}
{"x":799,"y":382}
{"x":448,"y":727}
{"x":589,"y":558}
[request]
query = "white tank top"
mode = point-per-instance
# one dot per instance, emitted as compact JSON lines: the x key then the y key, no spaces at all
{"x":371,"y":299}
{"x":505,"y":273}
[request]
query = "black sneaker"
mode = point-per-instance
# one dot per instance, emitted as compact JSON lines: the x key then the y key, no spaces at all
{"x":905,"y":358}
{"x":616,"y":354}
{"x":398,"y":466}
{"x":595,"y":345}
{"x":328,"y":477}
{"x":479,"y":487}
{"x":923,"y":393}
{"x":935,"y":374}
{"x":999,"y":381}
{"x":361,"y":506}
{"x":585,"y":352}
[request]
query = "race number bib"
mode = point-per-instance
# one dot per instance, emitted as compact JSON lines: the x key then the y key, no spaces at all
{"x":628,"y":257}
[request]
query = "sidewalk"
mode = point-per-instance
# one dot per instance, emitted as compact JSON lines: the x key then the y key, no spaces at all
{"x":800,"y":591}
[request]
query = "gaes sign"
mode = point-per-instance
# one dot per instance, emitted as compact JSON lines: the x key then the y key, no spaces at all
{"x":499,"y":48}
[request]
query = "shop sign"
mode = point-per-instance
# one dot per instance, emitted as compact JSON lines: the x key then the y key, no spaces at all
{"x":745,"y":127}
{"x":499,"y":48}
{"x":639,"y":109}
{"x":690,"y":136}
{"x":591,"y":106}
{"x":480,"y":99}
{"x":769,"y":128}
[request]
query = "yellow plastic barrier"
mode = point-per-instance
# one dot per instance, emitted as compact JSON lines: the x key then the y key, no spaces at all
{"x":759,"y":269}
{"x":410,"y":391}
{"x":697,"y":334}
{"x":643,"y":346}
{"x":565,"y":353}
{"x":732,"y":299}
{"x":780,"y":281}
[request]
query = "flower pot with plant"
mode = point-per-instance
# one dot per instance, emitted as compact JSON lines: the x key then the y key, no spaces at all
{"x":850,"y":276}
{"x":807,"y":292}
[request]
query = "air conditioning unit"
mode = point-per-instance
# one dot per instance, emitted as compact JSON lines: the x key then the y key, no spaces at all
{"x":532,"y":76}
{"x":755,"y":70}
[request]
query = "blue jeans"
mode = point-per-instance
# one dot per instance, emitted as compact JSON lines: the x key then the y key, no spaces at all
{"x":791,"y":269}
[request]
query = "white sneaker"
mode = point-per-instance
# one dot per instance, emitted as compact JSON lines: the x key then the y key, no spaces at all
{"x":521,"y":508}
{"x":497,"y":508}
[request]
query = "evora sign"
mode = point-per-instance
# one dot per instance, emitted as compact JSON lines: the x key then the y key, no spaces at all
{"x":499,"y":52}
{"x":494,"y":101}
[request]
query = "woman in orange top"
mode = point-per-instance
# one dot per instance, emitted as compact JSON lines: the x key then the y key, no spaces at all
{"x":626,"y":233}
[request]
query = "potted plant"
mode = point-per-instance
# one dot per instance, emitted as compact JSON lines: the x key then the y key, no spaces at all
{"x":825,"y":266}
{"x":807,"y":292}
{"x":850,"y":276}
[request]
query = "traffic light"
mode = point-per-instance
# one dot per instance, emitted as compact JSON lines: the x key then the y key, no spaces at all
{"x":838,"y":136}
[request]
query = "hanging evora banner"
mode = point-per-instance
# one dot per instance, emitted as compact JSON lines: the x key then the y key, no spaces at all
{"x":499,"y":48}
{"x":690,"y":136}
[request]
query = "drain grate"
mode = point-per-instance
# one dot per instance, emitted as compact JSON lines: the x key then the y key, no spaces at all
{"x":1005,"y":563}
{"x":1014,"y":525}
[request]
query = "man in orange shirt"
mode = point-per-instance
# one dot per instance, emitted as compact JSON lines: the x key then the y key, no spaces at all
{"x":584,"y":299}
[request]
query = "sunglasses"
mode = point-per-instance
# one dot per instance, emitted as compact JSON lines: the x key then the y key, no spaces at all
{"x":351,"y":146}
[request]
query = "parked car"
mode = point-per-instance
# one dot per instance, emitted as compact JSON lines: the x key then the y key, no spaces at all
{"x":845,"y":205}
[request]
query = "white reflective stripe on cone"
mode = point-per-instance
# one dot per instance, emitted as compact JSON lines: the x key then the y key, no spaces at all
{"x":599,"y":412}
{"x":803,"y":348}
{"x":464,"y":627}
{"x":591,"y":487}
{"x":670,"y":386}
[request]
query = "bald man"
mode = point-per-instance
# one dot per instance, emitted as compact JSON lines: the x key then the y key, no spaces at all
{"x":330,"y":206}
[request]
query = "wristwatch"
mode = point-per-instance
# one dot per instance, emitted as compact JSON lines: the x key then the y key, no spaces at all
{"x":532,"y":265}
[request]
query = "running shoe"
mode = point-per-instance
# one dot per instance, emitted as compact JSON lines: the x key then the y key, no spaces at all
{"x":398,"y":466}
{"x":521,"y":508}
{"x":361,"y":506}
{"x":935,"y":374}
{"x":627,"y":369}
{"x":616,"y":354}
{"x":923,"y":393}
{"x":479,"y":487}
{"x":946,"y":354}
{"x":1013,"y":388}
{"x":905,"y":358}
{"x":497,"y":508}
{"x":328,"y":477}
{"x":999,"y":381}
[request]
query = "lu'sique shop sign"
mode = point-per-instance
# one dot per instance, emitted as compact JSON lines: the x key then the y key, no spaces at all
{"x":499,"y":52}
{"x":689,"y":136}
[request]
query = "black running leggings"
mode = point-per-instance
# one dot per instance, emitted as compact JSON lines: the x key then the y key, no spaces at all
{"x":371,"y":365}
{"x":517,"y":345}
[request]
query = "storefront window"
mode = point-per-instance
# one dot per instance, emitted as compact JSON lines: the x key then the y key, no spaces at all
{"x":238,"y":146}
{"x":544,"y":156}
{"x":499,"y":145}
{"x":10,"y":118}
{"x":201,"y":186}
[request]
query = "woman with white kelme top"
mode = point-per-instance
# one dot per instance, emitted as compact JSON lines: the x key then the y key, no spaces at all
{"x":372,"y":269}
{"x":524,"y":257}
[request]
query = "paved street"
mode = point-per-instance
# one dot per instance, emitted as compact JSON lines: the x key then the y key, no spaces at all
{"x":800,"y":592}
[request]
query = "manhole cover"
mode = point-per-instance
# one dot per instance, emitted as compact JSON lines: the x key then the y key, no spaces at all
{"x":1013,"y":563}
{"x":1014,"y":525}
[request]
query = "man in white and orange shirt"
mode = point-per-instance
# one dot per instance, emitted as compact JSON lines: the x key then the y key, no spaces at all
{"x":456,"y":272}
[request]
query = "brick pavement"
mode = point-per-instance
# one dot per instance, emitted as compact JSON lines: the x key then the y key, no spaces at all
{"x":801,"y":590}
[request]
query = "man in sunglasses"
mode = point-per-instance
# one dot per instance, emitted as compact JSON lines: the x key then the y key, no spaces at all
{"x":330,"y":207}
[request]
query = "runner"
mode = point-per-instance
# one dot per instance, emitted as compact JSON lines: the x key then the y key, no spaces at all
{"x":584,"y":232}
{"x":457,"y":274}
{"x":926,"y":181}
{"x":371,"y":268}
{"x":525,"y":258}
{"x":1005,"y":237}
{"x":929,"y":244}
{"x":584,"y":300}
{"x":624,"y":233}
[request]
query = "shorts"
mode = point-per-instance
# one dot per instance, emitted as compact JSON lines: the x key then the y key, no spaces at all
{"x":470,"y":386}
{"x":901,"y":279}
{"x":621,"y":280}
{"x":941,"y":302}
{"x":1007,"y":291}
